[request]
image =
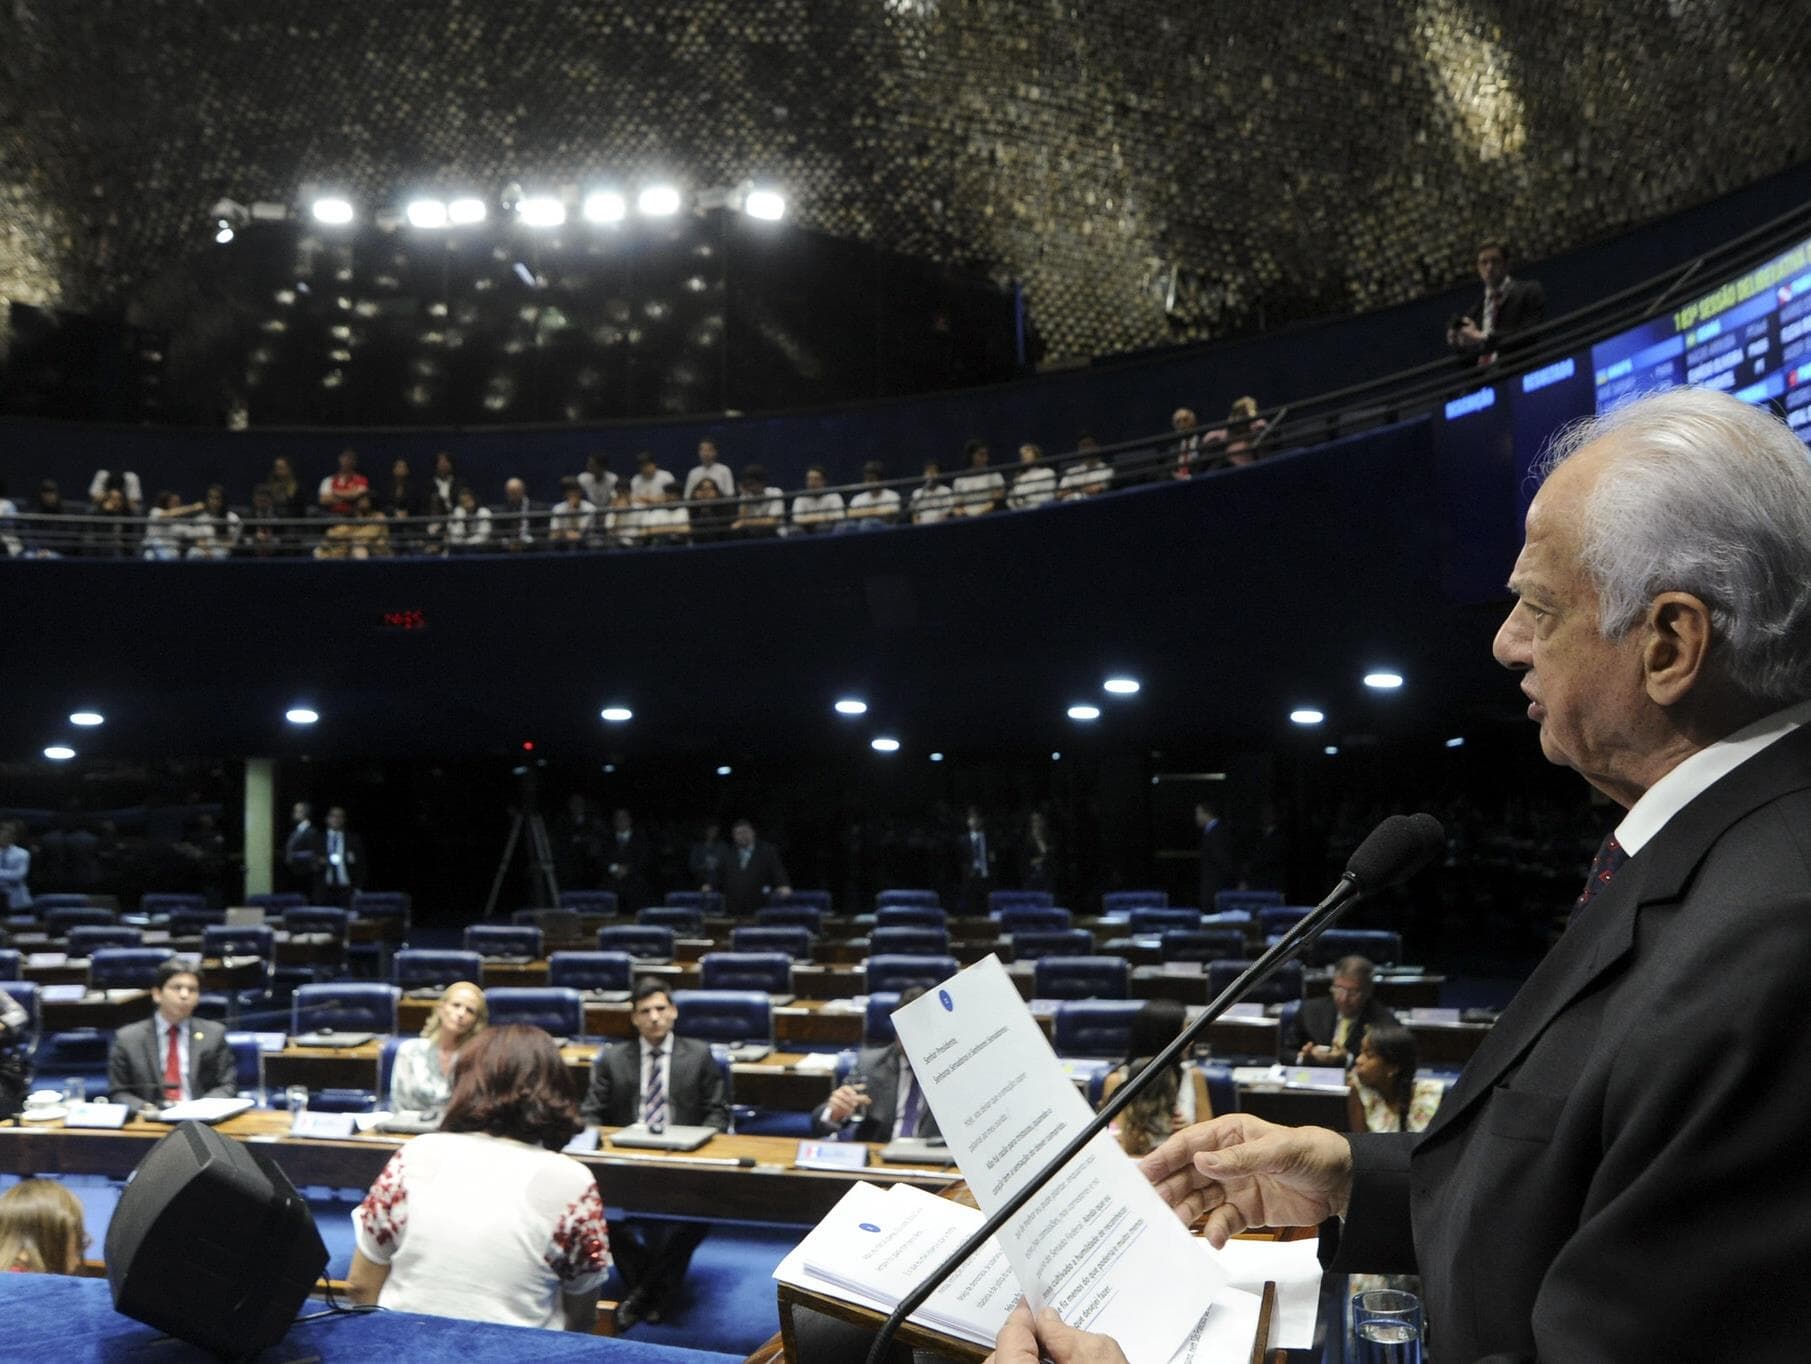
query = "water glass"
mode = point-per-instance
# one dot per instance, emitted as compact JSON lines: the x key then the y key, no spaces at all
{"x":75,"y":1090}
{"x":297,"y":1096}
{"x":1386,"y":1327}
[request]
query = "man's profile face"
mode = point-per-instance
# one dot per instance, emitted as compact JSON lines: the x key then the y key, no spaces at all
{"x":1493,"y":267}
{"x":1348,"y":995}
{"x":1586,"y":692}
{"x":177,"y":998}
{"x":653,"y":1018}
{"x":744,"y":835}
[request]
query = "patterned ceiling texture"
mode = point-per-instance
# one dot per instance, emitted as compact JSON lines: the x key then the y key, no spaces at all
{"x":1151,"y":171}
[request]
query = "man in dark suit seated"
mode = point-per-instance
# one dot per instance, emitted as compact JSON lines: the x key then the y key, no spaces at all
{"x":660,"y":1080}
{"x":883,"y":1090}
{"x":1329,"y":1031}
{"x":171,"y":1056}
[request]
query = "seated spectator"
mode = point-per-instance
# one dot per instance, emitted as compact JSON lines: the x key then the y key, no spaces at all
{"x":710,"y":512}
{"x":338,"y":493}
{"x":10,"y":543}
{"x":1088,"y":476}
{"x":874,"y":505}
{"x":445,"y":483}
{"x":112,"y":529}
{"x":762,"y":509}
{"x":709,"y":466}
{"x":422,"y":1080}
{"x":1036,"y":481}
{"x":648,"y":487}
{"x":125,"y":481}
{"x":363,"y":535}
{"x":1328,"y":1030}
{"x":931,"y":501}
{"x":432,"y":539}
{"x":1174,"y":1100}
{"x":167,"y":527}
{"x":286,"y":493}
{"x":569,"y":524}
{"x":1185,"y":450}
{"x":43,"y":523}
{"x":15,"y":1056}
{"x":666,"y":522}
{"x":1235,"y":441}
{"x":265,"y":536}
{"x":1509,"y":307}
{"x":817,"y":508}
{"x":171,"y":1056}
{"x":1382,"y":1093}
{"x":980,"y":490}
{"x":214,"y":533}
{"x":515,"y":520}
{"x":598,"y":482}
{"x":623,"y":522}
{"x":15,"y":868}
{"x":485,"y":1219}
{"x":401,"y":498}
{"x":468,"y":527}
{"x":41,"y":1229}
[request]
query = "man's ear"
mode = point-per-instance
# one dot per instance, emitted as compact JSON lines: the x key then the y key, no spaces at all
{"x":1677,"y":647}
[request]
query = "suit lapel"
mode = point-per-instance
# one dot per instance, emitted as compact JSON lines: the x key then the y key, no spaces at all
{"x":154,"y":1062}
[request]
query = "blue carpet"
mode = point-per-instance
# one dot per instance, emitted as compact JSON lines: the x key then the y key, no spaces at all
{"x":727,"y":1302}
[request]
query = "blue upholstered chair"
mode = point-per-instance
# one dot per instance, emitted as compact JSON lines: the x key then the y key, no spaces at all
{"x":591,"y":970}
{"x":1082,"y":978}
{"x":239,"y":940}
{"x":644,"y":942}
{"x":163,"y":901}
{"x":1284,"y":985}
{"x":1153,"y":919}
{"x":58,"y":922}
{"x":1203,"y":944}
{"x":1125,"y":901}
{"x":686,"y":921}
{"x":794,"y":942}
{"x":382,"y":904}
{"x":770,"y":972}
{"x":59,"y":899}
{"x":557,"y":1009}
{"x":704,"y":901}
{"x":907,"y":897}
{"x":890,"y":972}
{"x":344,"y":1006}
{"x":1096,"y":1027}
{"x":11,"y":959}
{"x":808,"y":917}
{"x":188,"y":923}
{"x":1252,"y":900}
{"x":877,"y":1024}
{"x":807,"y":899}
{"x":999,"y":900}
{"x":503,"y":940}
{"x":418,"y":968}
{"x":1034,"y":919}
{"x":913,"y":940}
{"x":329,"y":921}
{"x":125,"y":968}
{"x":590,"y":901}
{"x":84,"y":939}
{"x":1380,"y":945}
{"x":276,"y":901}
{"x":1281,"y":918}
{"x":727,"y":1016}
{"x":1031,"y":944}
{"x":910,"y":916}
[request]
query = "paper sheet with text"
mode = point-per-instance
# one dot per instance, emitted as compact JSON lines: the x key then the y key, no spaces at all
{"x":1096,"y":1243}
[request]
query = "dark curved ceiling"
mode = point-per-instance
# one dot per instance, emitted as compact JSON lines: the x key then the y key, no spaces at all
{"x":1152,"y":172}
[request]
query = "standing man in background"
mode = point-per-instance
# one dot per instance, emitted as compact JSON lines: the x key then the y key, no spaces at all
{"x":339,"y":861}
{"x":754,"y":873}
{"x":1217,"y":865}
{"x":298,"y":849}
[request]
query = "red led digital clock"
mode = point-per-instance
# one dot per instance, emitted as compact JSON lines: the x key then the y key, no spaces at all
{"x":413,"y":620}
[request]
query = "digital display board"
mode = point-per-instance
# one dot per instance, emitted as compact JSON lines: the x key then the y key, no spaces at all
{"x":1750,"y":337}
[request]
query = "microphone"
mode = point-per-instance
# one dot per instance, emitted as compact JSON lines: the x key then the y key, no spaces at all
{"x":1395,"y":850}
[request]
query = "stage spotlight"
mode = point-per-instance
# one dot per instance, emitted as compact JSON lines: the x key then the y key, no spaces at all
{"x":1084,"y":712}
{"x":658,"y":201}
{"x":884,"y":745}
{"x":542,"y":210}
{"x":426,"y":213}
{"x":850,"y":705}
{"x":86,"y":718}
{"x":466,"y":210}
{"x":1383,"y":681}
{"x":59,"y":753}
{"x":605,"y":206}
{"x":301,"y":715}
{"x":224,"y":232}
{"x":765,"y":204}
{"x":616,"y":715}
{"x":1306,"y":715}
{"x":334,"y":212}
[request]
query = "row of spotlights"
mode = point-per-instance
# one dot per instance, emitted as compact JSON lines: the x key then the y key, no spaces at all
{"x":538,"y":210}
{"x":1379,"y":680}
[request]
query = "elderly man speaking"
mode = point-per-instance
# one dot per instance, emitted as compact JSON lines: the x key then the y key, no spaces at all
{"x":1620,"y":1172}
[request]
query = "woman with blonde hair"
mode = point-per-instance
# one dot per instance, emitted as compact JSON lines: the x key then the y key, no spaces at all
{"x":41,"y":1230}
{"x":422,"y":1079}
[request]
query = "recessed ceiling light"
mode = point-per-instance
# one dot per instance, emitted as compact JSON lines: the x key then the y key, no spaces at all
{"x":1457,"y":741}
{"x":1331,"y":750}
{"x":1084,"y":712}
{"x":86,"y":718}
{"x":766,"y":204}
{"x":658,"y":201}
{"x":1382,"y":681}
{"x":723,"y":771}
{"x":1056,"y":757}
{"x":1121,"y":686}
{"x":616,"y":715}
{"x":467,"y":210}
{"x":301,"y":715}
{"x":884,"y":745}
{"x":426,"y":213}
{"x":605,"y":206}
{"x":1306,"y":715}
{"x":851,"y":705}
{"x":59,"y":753}
{"x":936,"y":757}
{"x":543,"y":210}
{"x":334,"y":211}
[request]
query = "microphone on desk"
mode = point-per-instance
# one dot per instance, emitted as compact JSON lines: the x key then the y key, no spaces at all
{"x":1394,"y":851}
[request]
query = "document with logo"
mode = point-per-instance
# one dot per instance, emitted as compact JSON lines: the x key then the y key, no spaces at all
{"x":1096,"y":1243}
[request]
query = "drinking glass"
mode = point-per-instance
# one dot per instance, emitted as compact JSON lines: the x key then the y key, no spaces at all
{"x":297,"y":1095}
{"x":75,"y":1090}
{"x":1386,"y":1326}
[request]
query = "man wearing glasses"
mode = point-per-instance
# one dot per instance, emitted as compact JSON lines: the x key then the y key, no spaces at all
{"x":1329,"y":1032}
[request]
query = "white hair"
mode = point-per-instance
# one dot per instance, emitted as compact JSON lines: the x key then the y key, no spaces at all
{"x":1707,"y":495}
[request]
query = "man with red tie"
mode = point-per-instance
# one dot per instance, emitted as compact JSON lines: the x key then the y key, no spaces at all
{"x":172,"y":1055}
{"x":1620,"y":1170}
{"x":1509,"y":306}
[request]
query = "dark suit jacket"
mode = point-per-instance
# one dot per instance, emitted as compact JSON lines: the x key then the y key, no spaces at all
{"x":135,"y":1070}
{"x":879,"y":1068}
{"x":1523,"y":305}
{"x":695,"y":1089}
{"x":1217,"y":865}
{"x":355,"y":859}
{"x":1642,"y":1093}
{"x":1314,"y":1022}
{"x":745,"y":888}
{"x":631,"y":861}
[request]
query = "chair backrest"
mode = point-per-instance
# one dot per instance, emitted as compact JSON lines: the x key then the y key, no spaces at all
{"x":1084,"y":977}
{"x":770,"y":972}
{"x":1229,"y":918}
{"x":188,"y":923}
{"x":591,"y":970}
{"x":558,"y":1009}
{"x":807,"y":917}
{"x":386,"y":1067}
{"x":589,"y":901}
{"x":239,"y":940}
{"x":644,"y":942}
{"x":247,"y":1050}
{"x":910,"y":916}
{"x":1034,"y":918}
{"x":276,"y":901}
{"x":85,"y":938}
{"x":10,"y":962}
{"x":556,"y":925}
{"x":724,"y":1015}
{"x":125,"y":968}
{"x":58,"y":922}
{"x":924,"y":942}
{"x":163,"y":901}
{"x":1380,"y":945}
{"x":685,"y":920}
{"x":1151,"y":919}
{"x":998,"y":900}
{"x":503,"y":940}
{"x":704,"y":901}
{"x":794,"y":942}
{"x":1280,"y":918}
{"x":391,"y":906}
{"x":330,"y":919}
{"x":1285,"y":985}
{"x":59,"y":899}
{"x":807,"y":899}
{"x":891,"y":972}
{"x":907,"y":897}
{"x":1124,"y":901}
{"x":1096,"y":1027}
{"x":877,"y":1026}
{"x":1202,"y":944}
{"x":344,"y":1006}
{"x":24,"y":993}
{"x":1252,"y":900}
{"x":1031,"y":944}
{"x":418,"y":968}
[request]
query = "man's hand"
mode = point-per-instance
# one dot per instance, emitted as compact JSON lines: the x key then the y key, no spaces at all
{"x":845,"y":1100}
{"x":1021,"y":1341}
{"x":1240,"y":1171}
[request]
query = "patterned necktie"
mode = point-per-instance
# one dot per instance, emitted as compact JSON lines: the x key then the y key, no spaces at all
{"x":1606,"y":864}
{"x":654,"y":1101}
{"x":172,"y":1069}
{"x":911,"y":1109}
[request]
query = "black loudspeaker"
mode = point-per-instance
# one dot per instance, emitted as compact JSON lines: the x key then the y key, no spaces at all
{"x":212,"y":1244}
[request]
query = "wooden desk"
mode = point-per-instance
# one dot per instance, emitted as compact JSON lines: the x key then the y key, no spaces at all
{"x":114,"y":1009}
